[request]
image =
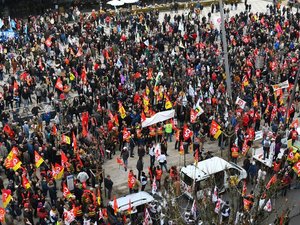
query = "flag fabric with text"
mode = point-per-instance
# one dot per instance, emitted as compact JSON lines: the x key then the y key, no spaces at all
{"x":6,"y":197}
{"x":59,"y":84}
{"x":57,"y":171}
{"x":66,"y":192}
{"x":38,"y":159}
{"x":25,"y":182}
{"x":16,"y":163}
{"x":296,"y":168}
{"x":64,"y":159}
{"x":187,"y":133}
{"x":147,"y":218}
{"x":215,"y":129}
{"x":2,"y":214}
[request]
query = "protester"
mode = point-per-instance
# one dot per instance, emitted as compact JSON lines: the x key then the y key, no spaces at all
{"x":77,"y":88}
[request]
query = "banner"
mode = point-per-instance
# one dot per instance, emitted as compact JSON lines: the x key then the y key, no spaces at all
{"x":159,"y":117}
{"x":281,"y":85}
{"x":240,"y":102}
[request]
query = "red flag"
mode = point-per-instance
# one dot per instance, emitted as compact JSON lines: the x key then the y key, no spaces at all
{"x":272,"y":181}
{"x":84,"y":123}
{"x":115,"y":206}
{"x":119,"y":161}
{"x":296,"y":168}
{"x":64,"y":159}
{"x":84,"y":118}
{"x":59,"y":84}
{"x":2,"y":214}
{"x":54,"y":130}
{"x":74,"y":142}
{"x":215,"y":129}
{"x":187,"y":133}
{"x":79,"y":160}
{"x":6,"y":197}
{"x":66,"y":192}
{"x":143,"y":117}
{"x":8,"y":130}
{"x":116,"y":119}
{"x":57,"y":171}
{"x":83,"y":75}
{"x":126,"y":134}
{"x":25,"y":182}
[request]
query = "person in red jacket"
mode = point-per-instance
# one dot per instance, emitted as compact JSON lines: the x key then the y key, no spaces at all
{"x":286,"y":183}
{"x":42,"y":213}
{"x":234,"y":153}
{"x":293,"y":135}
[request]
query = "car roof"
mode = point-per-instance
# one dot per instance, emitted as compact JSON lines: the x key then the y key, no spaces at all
{"x":206,"y":167}
{"x":136,"y":199}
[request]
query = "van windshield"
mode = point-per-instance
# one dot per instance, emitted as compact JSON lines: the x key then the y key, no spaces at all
{"x":186,"y":179}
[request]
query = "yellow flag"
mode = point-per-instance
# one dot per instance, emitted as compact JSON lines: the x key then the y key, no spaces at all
{"x":168,"y":104}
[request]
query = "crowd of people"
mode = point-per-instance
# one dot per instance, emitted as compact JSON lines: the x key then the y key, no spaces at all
{"x":101,"y":75}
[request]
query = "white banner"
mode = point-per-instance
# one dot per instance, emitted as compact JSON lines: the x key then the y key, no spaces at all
{"x":240,"y":102}
{"x":281,"y":85}
{"x":159,"y":117}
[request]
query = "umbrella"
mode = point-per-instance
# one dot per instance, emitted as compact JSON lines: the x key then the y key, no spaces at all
{"x":115,"y":3}
{"x":130,"y":1}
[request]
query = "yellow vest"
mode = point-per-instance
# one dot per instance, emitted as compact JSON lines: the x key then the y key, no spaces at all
{"x":168,"y":128}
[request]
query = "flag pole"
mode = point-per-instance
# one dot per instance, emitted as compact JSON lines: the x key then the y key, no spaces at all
{"x":291,"y":99}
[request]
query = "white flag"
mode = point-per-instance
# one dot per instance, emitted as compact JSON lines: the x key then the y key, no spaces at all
{"x":69,"y":216}
{"x":119,"y":63}
{"x":268,"y":206}
{"x":154,"y":186}
{"x":198,"y":108}
{"x":194,"y":210}
{"x":191,"y":91}
{"x":211,"y":89}
{"x":215,"y":195}
{"x":218,"y":206}
{"x":157,"y":150}
{"x":146,"y":42}
{"x":240,"y":102}
{"x":281,"y":85}
{"x":147,"y":218}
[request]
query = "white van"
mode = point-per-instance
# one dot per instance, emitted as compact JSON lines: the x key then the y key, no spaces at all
{"x":214,"y":169}
{"x":137,"y":200}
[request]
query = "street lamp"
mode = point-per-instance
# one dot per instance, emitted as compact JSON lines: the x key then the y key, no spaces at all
{"x":228,"y":77}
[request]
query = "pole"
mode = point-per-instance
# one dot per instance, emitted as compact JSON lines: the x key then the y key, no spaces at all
{"x":291,"y":98}
{"x":225,"y":52}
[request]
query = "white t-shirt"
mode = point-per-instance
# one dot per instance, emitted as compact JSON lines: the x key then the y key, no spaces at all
{"x":162,"y":158}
